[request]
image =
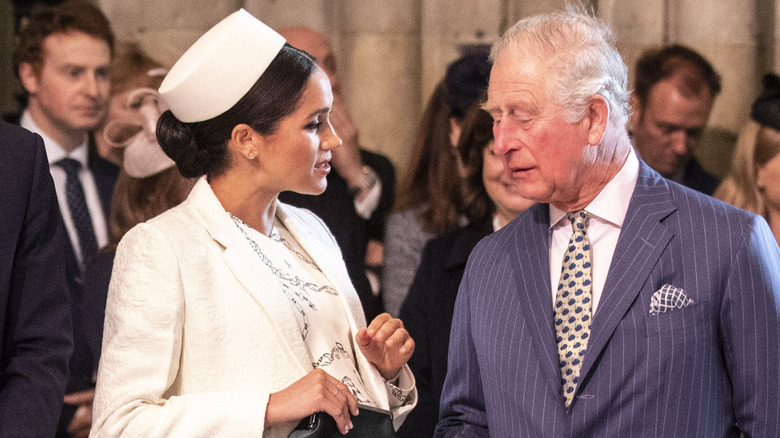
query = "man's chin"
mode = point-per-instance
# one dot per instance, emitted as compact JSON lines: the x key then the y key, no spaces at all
{"x":88,"y":124}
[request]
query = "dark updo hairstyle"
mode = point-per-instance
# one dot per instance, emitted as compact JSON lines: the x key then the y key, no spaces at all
{"x":477,"y":135}
{"x":200,"y":148}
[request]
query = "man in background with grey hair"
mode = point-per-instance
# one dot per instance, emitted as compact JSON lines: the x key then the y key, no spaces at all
{"x":623,"y":304}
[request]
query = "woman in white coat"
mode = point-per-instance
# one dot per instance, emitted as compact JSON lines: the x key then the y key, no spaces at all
{"x":232,"y":315}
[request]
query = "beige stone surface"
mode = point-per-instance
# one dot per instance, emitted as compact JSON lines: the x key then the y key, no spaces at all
{"x":131,"y":18}
{"x":518,"y":9}
{"x":393,"y":53}
{"x":312,"y":13}
{"x":381,"y":16}
{"x":722,"y":20}
{"x":448,"y":26}
{"x":383,"y":89}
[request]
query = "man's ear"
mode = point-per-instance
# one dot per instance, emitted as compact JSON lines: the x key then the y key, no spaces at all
{"x":636,"y":114}
{"x":761,"y":177}
{"x":245,"y":141}
{"x":596,"y":119}
{"x":455,"y":130}
{"x":29,"y":77}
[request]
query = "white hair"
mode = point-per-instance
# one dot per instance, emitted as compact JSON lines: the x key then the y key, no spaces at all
{"x":579,"y":50}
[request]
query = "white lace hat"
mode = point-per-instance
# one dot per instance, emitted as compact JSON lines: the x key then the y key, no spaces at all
{"x":220,"y":68}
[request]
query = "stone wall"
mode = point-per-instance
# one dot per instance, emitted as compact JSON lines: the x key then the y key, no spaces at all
{"x":393,"y":53}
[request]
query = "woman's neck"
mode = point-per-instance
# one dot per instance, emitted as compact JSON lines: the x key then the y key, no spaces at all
{"x":238,"y":197}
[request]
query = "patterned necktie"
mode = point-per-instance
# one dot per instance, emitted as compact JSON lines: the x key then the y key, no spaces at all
{"x":79,"y":213}
{"x":573,"y":304}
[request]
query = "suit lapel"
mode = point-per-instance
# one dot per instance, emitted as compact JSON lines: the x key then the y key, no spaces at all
{"x":250,"y":271}
{"x":532,"y":244}
{"x":642,"y":240}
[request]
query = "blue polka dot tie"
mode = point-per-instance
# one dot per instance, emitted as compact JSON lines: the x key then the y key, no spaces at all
{"x":77,"y":204}
{"x":573,"y":304}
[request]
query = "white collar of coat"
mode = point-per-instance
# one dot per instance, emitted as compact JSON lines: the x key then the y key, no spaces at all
{"x":309,"y":231}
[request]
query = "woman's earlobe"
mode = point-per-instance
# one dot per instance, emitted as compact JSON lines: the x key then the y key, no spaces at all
{"x":245,"y":140}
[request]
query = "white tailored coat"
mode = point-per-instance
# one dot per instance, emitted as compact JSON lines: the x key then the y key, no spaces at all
{"x":194,"y":343}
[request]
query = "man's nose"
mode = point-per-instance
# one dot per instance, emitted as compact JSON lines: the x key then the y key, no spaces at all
{"x":92,"y":85}
{"x":680,"y":141}
{"x":502,"y":138}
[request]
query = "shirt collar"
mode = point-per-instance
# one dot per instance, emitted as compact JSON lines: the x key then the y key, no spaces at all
{"x":611,"y":204}
{"x":54,"y":151}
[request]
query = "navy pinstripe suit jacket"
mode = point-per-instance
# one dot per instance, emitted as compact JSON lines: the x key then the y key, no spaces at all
{"x":710,"y":369}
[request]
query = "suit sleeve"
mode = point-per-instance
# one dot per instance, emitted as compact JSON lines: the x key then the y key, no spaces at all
{"x":142,"y":346}
{"x":750,"y":326}
{"x":38,"y":334}
{"x":462,"y":410}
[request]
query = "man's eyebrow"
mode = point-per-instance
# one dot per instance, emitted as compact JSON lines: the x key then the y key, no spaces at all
{"x":74,"y":66}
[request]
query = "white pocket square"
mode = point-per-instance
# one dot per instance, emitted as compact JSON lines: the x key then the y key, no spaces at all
{"x":668,"y":298}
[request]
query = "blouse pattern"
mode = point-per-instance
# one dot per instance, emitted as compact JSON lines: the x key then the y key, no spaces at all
{"x":316,"y":306}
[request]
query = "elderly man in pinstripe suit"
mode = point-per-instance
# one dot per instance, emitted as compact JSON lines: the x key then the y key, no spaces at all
{"x":623,"y":304}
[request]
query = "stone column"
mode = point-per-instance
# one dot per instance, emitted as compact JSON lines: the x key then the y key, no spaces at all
{"x":517,"y":9}
{"x":638,"y":27}
{"x":311,"y":13}
{"x":165,"y":29}
{"x":725,"y":33}
{"x":380,"y":62}
{"x":447,"y":27}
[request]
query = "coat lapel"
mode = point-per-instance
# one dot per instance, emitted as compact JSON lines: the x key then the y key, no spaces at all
{"x":642,"y":240}
{"x":248,"y":269}
{"x":532,"y":243}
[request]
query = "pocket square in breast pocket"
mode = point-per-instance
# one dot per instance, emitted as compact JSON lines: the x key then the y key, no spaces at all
{"x":668,"y":298}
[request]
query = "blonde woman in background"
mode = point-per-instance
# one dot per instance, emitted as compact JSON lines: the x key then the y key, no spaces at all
{"x":754,"y":181}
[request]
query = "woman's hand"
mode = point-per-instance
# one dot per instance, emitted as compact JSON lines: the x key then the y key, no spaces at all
{"x":82,"y":419}
{"x":386,"y":344}
{"x":314,"y":392}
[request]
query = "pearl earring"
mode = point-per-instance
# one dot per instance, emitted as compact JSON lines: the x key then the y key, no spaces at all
{"x":251,"y":155}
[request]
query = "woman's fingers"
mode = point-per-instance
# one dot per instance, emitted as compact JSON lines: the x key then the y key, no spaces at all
{"x":398,"y":340}
{"x":351,"y":400}
{"x":322,"y":393}
{"x":339,"y":407}
{"x":383,"y":326}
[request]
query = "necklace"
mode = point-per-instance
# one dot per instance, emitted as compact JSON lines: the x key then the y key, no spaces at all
{"x":296,"y":290}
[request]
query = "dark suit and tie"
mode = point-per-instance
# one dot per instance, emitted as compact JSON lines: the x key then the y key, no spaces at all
{"x":80,"y":251}
{"x":35,"y":321}
{"x":83,"y":365}
{"x":685,"y":339}
{"x":691,"y":371}
{"x":82,"y":375}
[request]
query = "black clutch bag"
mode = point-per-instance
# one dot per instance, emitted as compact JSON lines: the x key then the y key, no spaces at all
{"x":370,"y":422}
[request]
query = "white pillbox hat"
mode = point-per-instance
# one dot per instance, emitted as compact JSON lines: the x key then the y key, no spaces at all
{"x":220,"y":68}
